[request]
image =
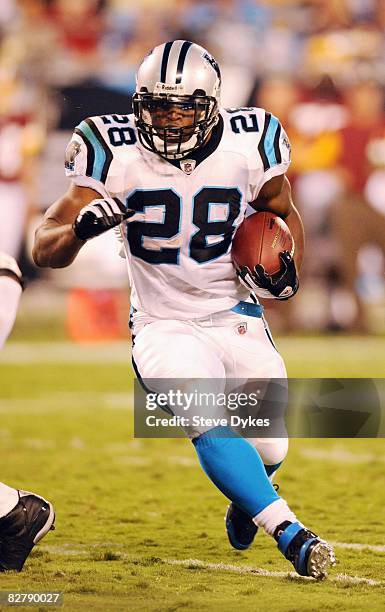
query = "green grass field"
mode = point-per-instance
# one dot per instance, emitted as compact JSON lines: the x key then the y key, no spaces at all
{"x":139,"y":526}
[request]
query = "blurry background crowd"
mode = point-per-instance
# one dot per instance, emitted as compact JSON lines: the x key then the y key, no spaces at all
{"x":319,"y":65}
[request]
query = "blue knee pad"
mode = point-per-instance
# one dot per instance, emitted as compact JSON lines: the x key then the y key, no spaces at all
{"x":236,"y":468}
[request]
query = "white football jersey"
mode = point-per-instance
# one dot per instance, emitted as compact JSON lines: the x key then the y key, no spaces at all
{"x":178,"y":244}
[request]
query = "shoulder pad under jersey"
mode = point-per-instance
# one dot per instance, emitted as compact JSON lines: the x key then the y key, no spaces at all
{"x":260,"y":137}
{"x":100,"y":151}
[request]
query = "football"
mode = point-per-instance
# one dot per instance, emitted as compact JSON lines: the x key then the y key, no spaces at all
{"x":259,"y":240}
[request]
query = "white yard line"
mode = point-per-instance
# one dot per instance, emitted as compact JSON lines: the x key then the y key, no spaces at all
{"x":221,"y":567}
{"x":239,"y":569}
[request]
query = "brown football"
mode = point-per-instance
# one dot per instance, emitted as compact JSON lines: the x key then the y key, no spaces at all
{"x":259,"y":240}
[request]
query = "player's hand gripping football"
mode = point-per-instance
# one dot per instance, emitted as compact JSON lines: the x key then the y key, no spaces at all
{"x":281,"y":286}
{"x":100,"y":216}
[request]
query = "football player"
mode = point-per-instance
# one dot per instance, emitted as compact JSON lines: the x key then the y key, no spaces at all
{"x":176,"y":176}
{"x":25,"y":518}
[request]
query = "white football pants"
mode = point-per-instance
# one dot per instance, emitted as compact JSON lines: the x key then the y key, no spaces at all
{"x":225,"y":345}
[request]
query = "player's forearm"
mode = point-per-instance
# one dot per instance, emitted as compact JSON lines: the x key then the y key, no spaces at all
{"x":294,"y":222}
{"x":275,"y":196}
{"x":56,"y":246}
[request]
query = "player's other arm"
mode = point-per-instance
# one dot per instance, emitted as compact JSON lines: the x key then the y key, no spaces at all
{"x":56,"y":244}
{"x":275,"y":197}
{"x":81,"y":214}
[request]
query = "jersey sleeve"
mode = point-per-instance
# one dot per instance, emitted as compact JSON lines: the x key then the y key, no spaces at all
{"x":88,"y":158}
{"x":273,"y":157}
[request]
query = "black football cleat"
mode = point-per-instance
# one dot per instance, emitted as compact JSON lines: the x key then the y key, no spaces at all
{"x":240,"y":527}
{"x":22,"y":528}
{"x":309,"y":555}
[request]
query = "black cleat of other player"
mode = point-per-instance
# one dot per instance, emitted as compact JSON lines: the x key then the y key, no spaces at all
{"x":22,"y":528}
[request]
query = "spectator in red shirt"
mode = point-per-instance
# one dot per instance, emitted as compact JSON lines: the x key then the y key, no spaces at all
{"x":358,"y":219}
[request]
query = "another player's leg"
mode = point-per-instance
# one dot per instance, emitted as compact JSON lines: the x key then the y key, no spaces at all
{"x":25,"y":518}
{"x":10,"y":292}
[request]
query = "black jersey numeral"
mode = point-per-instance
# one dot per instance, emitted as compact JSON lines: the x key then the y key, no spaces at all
{"x":151,"y":241}
{"x":170,"y":208}
{"x":247,"y":123}
{"x":200,"y":250}
{"x":117,"y":118}
{"x":121,"y":136}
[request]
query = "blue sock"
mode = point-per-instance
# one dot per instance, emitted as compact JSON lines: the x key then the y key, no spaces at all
{"x":236,"y":468}
{"x":270,"y":469}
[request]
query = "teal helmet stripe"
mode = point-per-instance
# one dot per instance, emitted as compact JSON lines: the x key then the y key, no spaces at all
{"x":269,"y":140}
{"x":99,"y":153}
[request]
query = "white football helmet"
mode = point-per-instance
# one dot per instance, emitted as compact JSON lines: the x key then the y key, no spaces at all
{"x":176,"y":75}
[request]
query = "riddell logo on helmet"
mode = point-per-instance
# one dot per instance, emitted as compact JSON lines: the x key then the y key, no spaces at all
{"x":163,"y":87}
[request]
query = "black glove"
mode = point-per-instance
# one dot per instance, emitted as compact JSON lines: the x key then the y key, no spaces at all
{"x":282,"y":286}
{"x":100,"y":216}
